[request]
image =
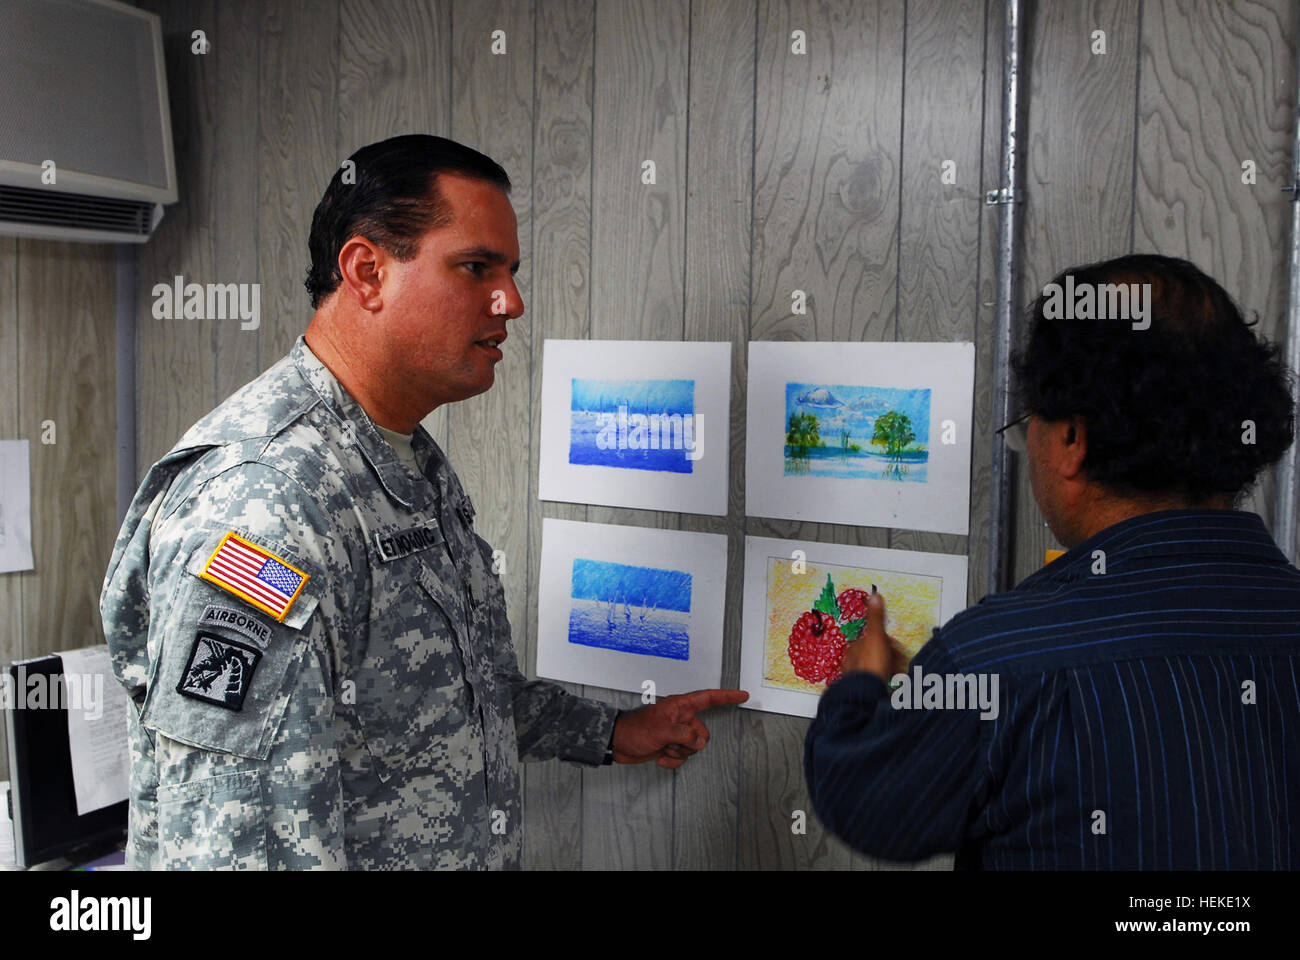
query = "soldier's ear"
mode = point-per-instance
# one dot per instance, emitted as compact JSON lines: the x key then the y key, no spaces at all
{"x":361,"y":266}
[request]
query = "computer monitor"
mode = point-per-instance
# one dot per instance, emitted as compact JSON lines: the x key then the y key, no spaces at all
{"x":42,"y":793}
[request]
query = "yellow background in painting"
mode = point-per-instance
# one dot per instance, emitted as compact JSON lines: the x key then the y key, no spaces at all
{"x":911,"y":610}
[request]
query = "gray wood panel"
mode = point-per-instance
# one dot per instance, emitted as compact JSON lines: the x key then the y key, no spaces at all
{"x":489,"y":435}
{"x":298,"y":119}
{"x":939,"y":225}
{"x":827,"y":139}
{"x":1194,"y":134}
{"x":720,"y":150}
{"x":560,"y":309}
{"x":66,"y":373}
{"x":11,"y":616}
{"x":177,"y":359}
{"x":1078,"y":167}
{"x":638,"y":239}
{"x":235,"y":75}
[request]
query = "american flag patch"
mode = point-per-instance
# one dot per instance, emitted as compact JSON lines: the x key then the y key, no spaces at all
{"x":256,"y":575}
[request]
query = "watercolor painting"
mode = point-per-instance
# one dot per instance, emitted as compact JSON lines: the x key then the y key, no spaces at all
{"x":813,"y":614}
{"x":633,"y":424}
{"x":864,"y":433}
{"x":868,"y":433}
{"x":622,"y":607}
{"x":636,"y":423}
{"x":633,"y":609}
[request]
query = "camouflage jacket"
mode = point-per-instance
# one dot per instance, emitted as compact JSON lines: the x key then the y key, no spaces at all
{"x":318,"y":650}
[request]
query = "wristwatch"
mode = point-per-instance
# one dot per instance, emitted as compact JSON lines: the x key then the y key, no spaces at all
{"x":609,"y":749}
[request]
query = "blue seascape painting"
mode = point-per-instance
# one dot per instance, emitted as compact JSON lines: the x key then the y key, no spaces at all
{"x":633,"y":424}
{"x":632,"y":609}
{"x":871,"y":433}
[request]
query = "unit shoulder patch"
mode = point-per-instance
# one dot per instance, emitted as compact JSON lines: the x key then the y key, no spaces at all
{"x":219,"y":671}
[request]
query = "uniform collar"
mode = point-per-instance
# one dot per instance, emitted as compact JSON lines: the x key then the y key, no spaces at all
{"x":396,"y":479}
{"x":1166,"y":533}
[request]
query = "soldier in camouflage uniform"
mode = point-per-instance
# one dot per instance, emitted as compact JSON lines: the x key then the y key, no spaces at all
{"x":297,"y":602}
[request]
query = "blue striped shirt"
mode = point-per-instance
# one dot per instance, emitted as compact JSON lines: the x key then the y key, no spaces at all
{"x":1148,"y":716}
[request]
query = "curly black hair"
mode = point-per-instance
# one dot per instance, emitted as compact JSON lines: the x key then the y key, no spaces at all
{"x":1195,"y":405}
{"x":388,"y":193}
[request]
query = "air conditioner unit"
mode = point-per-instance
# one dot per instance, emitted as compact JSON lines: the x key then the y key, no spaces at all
{"x":85,"y":134}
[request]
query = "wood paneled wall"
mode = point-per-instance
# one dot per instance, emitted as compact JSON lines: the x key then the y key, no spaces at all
{"x":776,"y":172}
{"x":57,"y":363}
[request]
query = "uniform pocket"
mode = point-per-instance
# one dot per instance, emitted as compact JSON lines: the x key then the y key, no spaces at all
{"x":411,"y":695}
{"x":218,"y":823}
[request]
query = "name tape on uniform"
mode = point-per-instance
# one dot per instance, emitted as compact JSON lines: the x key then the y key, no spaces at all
{"x":256,"y":575}
{"x":403,"y":543}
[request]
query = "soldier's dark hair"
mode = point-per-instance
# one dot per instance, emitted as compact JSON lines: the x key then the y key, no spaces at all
{"x":393,"y":202}
{"x":1166,"y":407}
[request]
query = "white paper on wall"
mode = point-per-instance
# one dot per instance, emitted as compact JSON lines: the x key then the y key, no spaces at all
{"x":872,"y":434}
{"x":15,"y":506}
{"x":630,"y":423}
{"x":619,"y":606}
{"x":784,"y":632}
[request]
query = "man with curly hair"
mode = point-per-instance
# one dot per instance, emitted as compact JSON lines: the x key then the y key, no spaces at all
{"x":1147,"y":710}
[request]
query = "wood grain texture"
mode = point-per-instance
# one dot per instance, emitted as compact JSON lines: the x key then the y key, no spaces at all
{"x":66,"y":373}
{"x":719,"y":175}
{"x":560,"y":309}
{"x":233,"y":183}
{"x":1078,"y":170}
{"x":395,"y":77}
{"x":939,"y":228}
{"x":298,"y":133}
{"x":939,"y":224}
{"x":827,"y":139}
{"x":1217,"y":89}
{"x":489,"y":435}
{"x":176,"y":352}
{"x":638,"y":238}
{"x":11,"y":610}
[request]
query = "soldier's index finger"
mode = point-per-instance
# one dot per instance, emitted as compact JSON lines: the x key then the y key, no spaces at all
{"x":704,"y":699}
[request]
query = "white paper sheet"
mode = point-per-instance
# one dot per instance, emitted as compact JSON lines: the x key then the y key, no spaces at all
{"x":15,"y":506}
{"x":893,"y":433}
{"x":631,"y":423}
{"x":7,"y":853}
{"x":785,"y":579}
{"x":619,"y":606}
{"x":97,"y":733}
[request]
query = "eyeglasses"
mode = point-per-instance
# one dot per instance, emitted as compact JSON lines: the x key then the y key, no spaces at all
{"x":1016,"y":433}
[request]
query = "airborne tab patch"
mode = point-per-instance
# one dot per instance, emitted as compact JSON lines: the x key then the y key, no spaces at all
{"x":258,"y":576}
{"x":219,"y":671}
{"x":216,"y":615}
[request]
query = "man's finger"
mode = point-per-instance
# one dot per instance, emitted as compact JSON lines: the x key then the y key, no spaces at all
{"x":875,"y":625}
{"x":698,"y":700}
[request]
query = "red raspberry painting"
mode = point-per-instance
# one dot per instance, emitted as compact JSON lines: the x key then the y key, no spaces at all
{"x":815,"y":610}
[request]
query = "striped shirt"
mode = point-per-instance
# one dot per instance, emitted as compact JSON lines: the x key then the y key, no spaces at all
{"x":1148,"y":715}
